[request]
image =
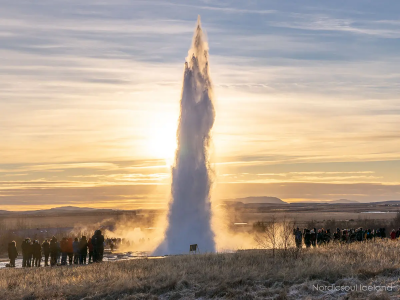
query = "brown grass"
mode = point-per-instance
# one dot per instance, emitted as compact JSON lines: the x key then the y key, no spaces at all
{"x":241,"y":275}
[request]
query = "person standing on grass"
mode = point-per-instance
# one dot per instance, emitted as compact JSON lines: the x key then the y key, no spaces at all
{"x":58,"y":253}
{"x":70,"y":250}
{"x":319,"y":237}
{"x":90,"y":248}
{"x":327,"y":236}
{"x":393,"y":235}
{"x":313,"y":238}
{"x":370,"y":234}
{"x":83,"y":246}
{"x":298,"y":237}
{"x":25,"y":251}
{"x":46,"y":252}
{"x":383,"y":232}
{"x":30,"y":254}
{"x":398,"y":233}
{"x":53,"y":251}
{"x":307,"y":238}
{"x":75,"y":246}
{"x":98,"y":246}
{"x":64,"y":251}
{"x":12,"y":253}
{"x":37,"y":253}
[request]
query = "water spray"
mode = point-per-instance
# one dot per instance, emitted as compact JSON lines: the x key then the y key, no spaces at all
{"x":189,"y":219}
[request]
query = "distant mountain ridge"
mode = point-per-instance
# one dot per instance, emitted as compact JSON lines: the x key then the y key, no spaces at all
{"x":72,"y":208}
{"x":342,"y":201}
{"x":262,"y":199}
{"x":60,"y":210}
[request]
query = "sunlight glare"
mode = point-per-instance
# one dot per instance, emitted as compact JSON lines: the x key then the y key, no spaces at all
{"x":162,"y":141}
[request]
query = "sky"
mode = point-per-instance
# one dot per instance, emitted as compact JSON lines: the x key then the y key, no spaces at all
{"x":306,"y":96}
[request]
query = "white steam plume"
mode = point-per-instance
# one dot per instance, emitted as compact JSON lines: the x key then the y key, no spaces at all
{"x":189,"y":219}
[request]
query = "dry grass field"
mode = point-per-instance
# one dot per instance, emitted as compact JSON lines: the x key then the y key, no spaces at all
{"x":252,"y":274}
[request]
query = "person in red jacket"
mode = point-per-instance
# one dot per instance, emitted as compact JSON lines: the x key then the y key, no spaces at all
{"x":393,"y":235}
{"x":90,"y":247}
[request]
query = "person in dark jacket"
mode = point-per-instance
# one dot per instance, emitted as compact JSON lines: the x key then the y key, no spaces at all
{"x":313,"y":237}
{"x":307,"y":238}
{"x":46,"y":252}
{"x":336,"y":235}
{"x":37,"y":253}
{"x":90,"y":248}
{"x":298,"y":237}
{"x":12,"y":253}
{"x":25,"y":252}
{"x":53,"y":251}
{"x":98,"y":246}
{"x":64,"y":250}
{"x":369,"y":234}
{"x":320,"y":237}
{"x":30,"y":254}
{"x":75,"y":246}
{"x":58,"y":253}
{"x":70,"y":250}
{"x":383,"y":233}
{"x":83,"y":246}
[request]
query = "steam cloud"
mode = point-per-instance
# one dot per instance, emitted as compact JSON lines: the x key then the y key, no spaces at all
{"x":189,"y":220}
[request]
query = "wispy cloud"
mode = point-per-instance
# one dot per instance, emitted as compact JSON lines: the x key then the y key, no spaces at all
{"x":326,"y":23}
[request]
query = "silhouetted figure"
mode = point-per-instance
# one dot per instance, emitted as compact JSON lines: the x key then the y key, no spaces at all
{"x":53,"y":251}
{"x":30,"y":254}
{"x":75,"y":246}
{"x":313,"y":238}
{"x":70,"y":250}
{"x":327,"y":236}
{"x":336,"y":235}
{"x":393,"y":235}
{"x":90,"y":248}
{"x":298,"y":237}
{"x":12,"y":253}
{"x":369,"y":235}
{"x":83,"y":246}
{"x":383,"y":232}
{"x":320,"y":237}
{"x":307,"y":238}
{"x":46,"y":252}
{"x":345,"y":236}
{"x":98,"y":246}
{"x":64,"y":250}
{"x":25,"y":252}
{"x":58,"y":253}
{"x":359,"y":234}
{"x":37,"y":253}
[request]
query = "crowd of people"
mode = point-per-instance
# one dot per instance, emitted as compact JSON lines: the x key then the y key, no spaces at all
{"x":67,"y":251}
{"x":314,"y":237}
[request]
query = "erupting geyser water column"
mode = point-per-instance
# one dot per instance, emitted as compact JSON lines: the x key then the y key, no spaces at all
{"x":190,"y":209}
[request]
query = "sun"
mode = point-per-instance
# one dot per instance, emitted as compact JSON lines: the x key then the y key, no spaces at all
{"x":161,"y":141}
